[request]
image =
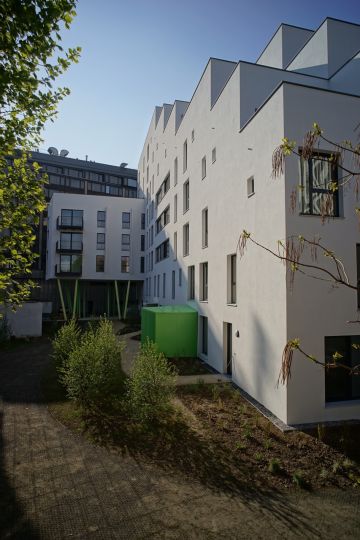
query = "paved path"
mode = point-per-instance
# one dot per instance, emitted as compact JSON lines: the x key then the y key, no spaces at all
{"x":132,"y":348}
{"x":55,"y":485}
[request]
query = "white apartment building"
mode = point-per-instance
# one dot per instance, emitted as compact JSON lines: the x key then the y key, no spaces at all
{"x":94,"y":250}
{"x":205,"y":170}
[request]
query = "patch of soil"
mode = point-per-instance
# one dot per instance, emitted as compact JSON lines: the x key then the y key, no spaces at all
{"x":328,"y":456}
{"x":190,"y":366}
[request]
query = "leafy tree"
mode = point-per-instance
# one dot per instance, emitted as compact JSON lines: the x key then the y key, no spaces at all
{"x":307,"y":255}
{"x":29,"y":42}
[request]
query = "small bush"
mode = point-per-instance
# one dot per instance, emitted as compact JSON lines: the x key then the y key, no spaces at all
{"x":299,"y":480}
{"x":92,"y":375}
{"x":274,"y":466}
{"x":66,"y":340}
{"x":152,"y":384}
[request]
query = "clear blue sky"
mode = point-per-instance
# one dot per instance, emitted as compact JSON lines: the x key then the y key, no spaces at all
{"x":142,"y":53}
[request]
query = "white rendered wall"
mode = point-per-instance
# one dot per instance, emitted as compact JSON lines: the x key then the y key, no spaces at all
{"x":257,"y":352}
{"x":284,"y":45}
{"x":315,"y":309}
{"x":90,"y":204}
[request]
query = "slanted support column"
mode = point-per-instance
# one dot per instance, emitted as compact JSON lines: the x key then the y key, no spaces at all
{"x":75,"y":298}
{"x":126,"y":298}
{"x":62,"y":299}
{"x":117,"y":300}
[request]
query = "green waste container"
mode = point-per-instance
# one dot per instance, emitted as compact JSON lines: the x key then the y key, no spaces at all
{"x":174,"y":329}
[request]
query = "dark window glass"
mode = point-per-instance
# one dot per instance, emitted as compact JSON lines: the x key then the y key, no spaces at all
{"x":339,"y":384}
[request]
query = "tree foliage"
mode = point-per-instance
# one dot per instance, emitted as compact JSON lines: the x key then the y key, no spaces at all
{"x":31,"y":59}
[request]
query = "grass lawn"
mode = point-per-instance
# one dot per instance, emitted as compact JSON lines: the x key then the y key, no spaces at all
{"x":216,"y":437}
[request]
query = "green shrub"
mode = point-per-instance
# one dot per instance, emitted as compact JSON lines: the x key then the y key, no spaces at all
{"x":66,"y":340}
{"x":274,"y":466}
{"x":152,"y":385}
{"x":92,"y":374}
{"x":299,"y":480}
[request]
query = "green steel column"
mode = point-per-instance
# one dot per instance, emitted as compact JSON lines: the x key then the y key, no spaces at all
{"x":117,"y":300}
{"x":61,"y":298}
{"x":75,"y":298}
{"x":126,"y":298}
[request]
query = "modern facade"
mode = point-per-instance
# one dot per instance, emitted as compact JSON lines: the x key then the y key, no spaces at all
{"x":89,"y":240}
{"x":205,"y":170}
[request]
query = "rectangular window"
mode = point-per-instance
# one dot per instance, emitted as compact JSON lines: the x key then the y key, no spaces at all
{"x":203,"y":167}
{"x":173,"y":285}
{"x":250,"y":186}
{"x":100,"y":263}
{"x":319,"y":183}
{"x":231,"y":279}
{"x":191,"y":283}
{"x":142,"y":244}
{"x":213,"y":155}
{"x":340,"y":385}
{"x":125,"y":242}
{"x":142,"y":265}
{"x":164,"y":285}
{"x":176,"y":171}
{"x":162,"y":251}
{"x":126,"y":220}
{"x":100,"y":240}
{"x":186,"y":240}
{"x":163,"y":220}
{"x":158,"y":286}
{"x":163,"y":189}
{"x":71,"y":241}
{"x":175,"y":246}
{"x":180,"y":277}
{"x":175,"y":208}
{"x":186,"y":196}
{"x":204,"y":334}
{"x":72,"y":218}
{"x":204,"y":279}
{"x":154,"y":285}
{"x":205,"y":230}
{"x":101,"y":218}
{"x":143,"y":221}
{"x":70,"y":264}
{"x":193,"y":135}
{"x":125,"y":264}
{"x":185,"y":156}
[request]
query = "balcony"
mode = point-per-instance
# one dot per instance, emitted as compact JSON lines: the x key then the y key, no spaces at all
{"x":75,"y":223}
{"x":69,"y":247}
{"x":65,"y":271}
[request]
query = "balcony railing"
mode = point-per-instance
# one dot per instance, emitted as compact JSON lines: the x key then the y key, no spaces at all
{"x":66,"y":271}
{"x":67,"y":247}
{"x":67,"y":222}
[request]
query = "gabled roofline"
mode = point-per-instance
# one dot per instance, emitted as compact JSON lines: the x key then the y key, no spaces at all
{"x":318,"y":28}
{"x":278,"y":28}
{"x":328,"y":90}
